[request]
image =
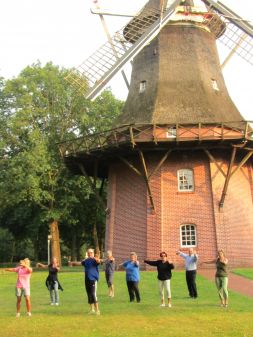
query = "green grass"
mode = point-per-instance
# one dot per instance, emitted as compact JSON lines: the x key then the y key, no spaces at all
{"x":119,"y":318}
{"x":245,"y":272}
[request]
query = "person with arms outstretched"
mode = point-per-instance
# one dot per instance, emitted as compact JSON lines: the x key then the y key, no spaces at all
{"x":164,"y":267}
{"x":191,"y":260}
{"x":52,"y":282}
{"x":24,"y":272}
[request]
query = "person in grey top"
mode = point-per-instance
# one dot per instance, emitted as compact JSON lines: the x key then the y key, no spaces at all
{"x":191,"y":271}
{"x":109,"y":272}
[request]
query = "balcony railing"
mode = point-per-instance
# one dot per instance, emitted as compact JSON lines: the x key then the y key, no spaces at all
{"x":158,"y":134}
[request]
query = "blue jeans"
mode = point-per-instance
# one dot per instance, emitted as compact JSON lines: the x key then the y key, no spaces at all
{"x":54,"y":293}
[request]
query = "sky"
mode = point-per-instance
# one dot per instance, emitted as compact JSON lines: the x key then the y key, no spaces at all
{"x":66,"y":33}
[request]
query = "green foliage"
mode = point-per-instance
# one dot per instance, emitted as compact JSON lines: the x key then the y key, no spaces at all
{"x":119,"y":318}
{"x":39,"y":109}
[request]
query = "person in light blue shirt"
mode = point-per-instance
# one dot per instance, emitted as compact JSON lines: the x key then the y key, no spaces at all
{"x":191,"y":271}
{"x":132,"y":277}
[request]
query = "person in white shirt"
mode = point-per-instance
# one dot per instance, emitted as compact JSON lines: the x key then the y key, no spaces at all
{"x":191,"y":271}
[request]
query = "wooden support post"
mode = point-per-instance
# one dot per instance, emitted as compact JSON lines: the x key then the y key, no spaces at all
{"x":244,"y":160}
{"x":215,"y":162}
{"x":131,"y":166}
{"x":132,"y":136}
{"x":145,"y":176}
{"x":93,"y":187}
{"x":160,"y":163}
{"x":224,"y":192}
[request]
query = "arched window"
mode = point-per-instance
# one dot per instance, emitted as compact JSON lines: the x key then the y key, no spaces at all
{"x":185,"y":180}
{"x":188,"y":235}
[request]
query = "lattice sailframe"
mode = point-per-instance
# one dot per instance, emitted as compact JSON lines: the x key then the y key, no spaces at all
{"x":96,"y":71}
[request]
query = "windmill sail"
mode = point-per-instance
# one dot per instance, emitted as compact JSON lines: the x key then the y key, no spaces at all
{"x":238,"y":35}
{"x":102,"y":65}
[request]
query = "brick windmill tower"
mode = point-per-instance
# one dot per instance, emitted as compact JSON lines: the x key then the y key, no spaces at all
{"x":178,"y":161}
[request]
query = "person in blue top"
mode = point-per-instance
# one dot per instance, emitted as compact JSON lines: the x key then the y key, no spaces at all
{"x":132,"y":277}
{"x":91,"y":272}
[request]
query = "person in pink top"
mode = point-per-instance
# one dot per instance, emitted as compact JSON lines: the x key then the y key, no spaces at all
{"x":24,"y":272}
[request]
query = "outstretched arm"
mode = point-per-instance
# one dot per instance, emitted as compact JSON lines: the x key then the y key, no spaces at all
{"x":151,"y":263}
{"x":209,"y":262}
{"x":41,"y":265}
{"x":74,"y":263}
{"x":10,"y":269}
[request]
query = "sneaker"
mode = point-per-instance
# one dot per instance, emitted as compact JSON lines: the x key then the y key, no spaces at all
{"x":29,"y":314}
{"x":52,"y":303}
{"x":162,"y":305}
{"x":98,"y":313}
{"x":56,"y":303}
{"x":18,"y":314}
{"x":169,"y":305}
{"x":91,"y":312}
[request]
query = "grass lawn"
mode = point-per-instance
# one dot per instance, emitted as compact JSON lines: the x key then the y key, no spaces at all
{"x":245,"y":272}
{"x":119,"y":318}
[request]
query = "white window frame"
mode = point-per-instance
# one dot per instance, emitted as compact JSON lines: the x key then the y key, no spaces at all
{"x":171,"y":132}
{"x":215,"y":85}
{"x":187,"y":175}
{"x":143,"y":86}
{"x":188,"y":237}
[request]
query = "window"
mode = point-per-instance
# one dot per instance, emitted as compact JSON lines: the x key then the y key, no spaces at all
{"x":172,"y":132}
{"x":143,"y":85}
{"x":215,"y":85}
{"x":188,"y":235}
{"x":185,"y":180}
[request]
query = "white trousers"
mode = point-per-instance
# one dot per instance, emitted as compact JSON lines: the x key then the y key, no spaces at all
{"x":164,"y":286}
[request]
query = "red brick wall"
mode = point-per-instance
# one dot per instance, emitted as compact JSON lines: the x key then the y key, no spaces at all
{"x":234,"y":222}
{"x":188,"y":207}
{"x":131,"y":225}
{"x":128,"y":217}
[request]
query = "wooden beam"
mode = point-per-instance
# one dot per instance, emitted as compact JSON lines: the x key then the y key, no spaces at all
{"x":160,"y":163}
{"x":93,"y":187}
{"x":224,"y":192}
{"x":145,"y":176}
{"x":215,"y":162}
{"x":131,"y":166}
{"x":244,"y":160}
{"x":132,"y":136}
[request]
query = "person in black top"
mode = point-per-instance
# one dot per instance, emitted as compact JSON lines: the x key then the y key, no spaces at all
{"x":164,"y":267}
{"x":52,"y":282}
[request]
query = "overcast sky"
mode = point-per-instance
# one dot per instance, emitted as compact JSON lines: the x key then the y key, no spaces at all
{"x":66,"y":33}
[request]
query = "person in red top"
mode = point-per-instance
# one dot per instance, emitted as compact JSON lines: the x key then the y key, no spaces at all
{"x":24,"y":272}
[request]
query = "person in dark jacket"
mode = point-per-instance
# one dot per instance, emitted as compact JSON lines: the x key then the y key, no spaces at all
{"x":164,"y":267}
{"x":52,"y":282}
{"x":109,"y":263}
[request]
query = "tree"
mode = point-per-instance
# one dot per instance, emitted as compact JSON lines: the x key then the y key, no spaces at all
{"x":38,"y":110}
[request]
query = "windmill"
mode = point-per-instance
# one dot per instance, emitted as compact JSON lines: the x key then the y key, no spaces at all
{"x":180,"y":148}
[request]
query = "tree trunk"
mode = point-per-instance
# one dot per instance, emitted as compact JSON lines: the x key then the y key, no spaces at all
{"x":73,"y":246}
{"x":95,"y":238}
{"x":55,"y":241}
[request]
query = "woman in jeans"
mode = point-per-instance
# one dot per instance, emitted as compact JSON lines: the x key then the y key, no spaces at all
{"x":164,"y":267}
{"x":52,"y":282}
{"x":221,"y":277}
